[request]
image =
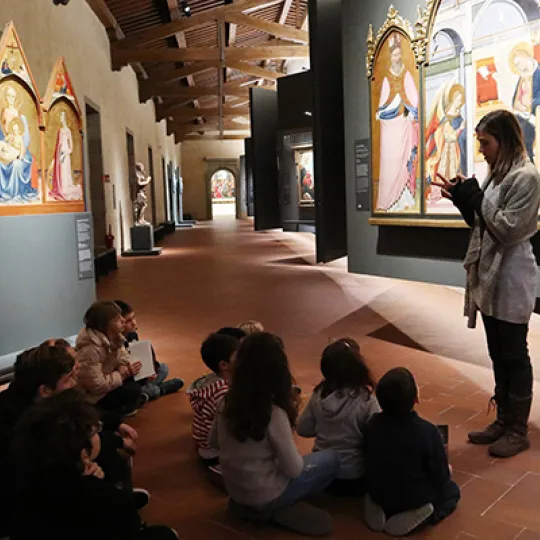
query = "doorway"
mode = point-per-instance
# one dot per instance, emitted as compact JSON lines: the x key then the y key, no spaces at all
{"x":95,"y":164}
{"x":223,"y":190}
{"x":130,"y":145}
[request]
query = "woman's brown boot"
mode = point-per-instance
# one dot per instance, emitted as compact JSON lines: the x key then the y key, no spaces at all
{"x":515,"y":439}
{"x":495,"y":430}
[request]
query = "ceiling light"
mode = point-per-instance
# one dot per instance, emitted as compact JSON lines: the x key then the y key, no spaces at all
{"x":186,"y":10}
{"x":60,"y":2}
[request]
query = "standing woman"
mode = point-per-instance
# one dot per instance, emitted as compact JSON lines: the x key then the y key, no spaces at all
{"x":502,"y":271}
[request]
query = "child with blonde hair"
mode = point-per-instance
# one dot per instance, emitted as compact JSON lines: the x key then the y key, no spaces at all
{"x":251,"y":327}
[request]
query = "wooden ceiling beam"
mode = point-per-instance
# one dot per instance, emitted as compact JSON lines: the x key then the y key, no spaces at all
{"x":213,"y":118}
{"x":182,"y":130}
{"x":272,"y":28}
{"x":104,"y":14}
{"x":113,"y":29}
{"x":127,"y":56}
{"x":198,"y":91}
{"x":254,"y":71}
{"x":197,"y":138}
{"x":154,"y":86}
{"x":185,"y":114}
{"x":185,"y":23}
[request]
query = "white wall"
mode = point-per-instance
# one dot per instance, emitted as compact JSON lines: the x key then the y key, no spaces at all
{"x":73,"y":31}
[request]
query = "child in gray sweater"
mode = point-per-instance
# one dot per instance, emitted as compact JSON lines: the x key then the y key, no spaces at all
{"x":262,"y":469}
{"x":338,"y":411}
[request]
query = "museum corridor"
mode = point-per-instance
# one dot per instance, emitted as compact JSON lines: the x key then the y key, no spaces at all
{"x":221,"y":274}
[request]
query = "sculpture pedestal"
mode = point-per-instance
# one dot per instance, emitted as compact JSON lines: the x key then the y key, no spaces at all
{"x":142,"y":242}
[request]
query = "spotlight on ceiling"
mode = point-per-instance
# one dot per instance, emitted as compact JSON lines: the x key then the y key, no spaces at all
{"x":60,"y":2}
{"x":186,"y":10}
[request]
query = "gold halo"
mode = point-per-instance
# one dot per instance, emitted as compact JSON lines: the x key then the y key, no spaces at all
{"x":523,"y":46}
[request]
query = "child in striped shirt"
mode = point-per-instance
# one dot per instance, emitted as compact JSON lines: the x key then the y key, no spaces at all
{"x":206,"y":392}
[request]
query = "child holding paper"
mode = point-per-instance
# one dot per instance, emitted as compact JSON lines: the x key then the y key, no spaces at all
{"x":106,"y":374}
{"x":156,"y":385}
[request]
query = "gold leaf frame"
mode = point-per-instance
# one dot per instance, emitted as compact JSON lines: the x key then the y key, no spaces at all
{"x":393,"y":21}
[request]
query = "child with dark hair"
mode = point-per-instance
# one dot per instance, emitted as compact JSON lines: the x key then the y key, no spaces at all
{"x":157,"y":385}
{"x":48,"y":370}
{"x":205,"y":393}
{"x":106,"y":374}
{"x":339,"y":410}
{"x":262,"y":469}
{"x":237,"y":333}
{"x":408,"y":476}
{"x":60,"y":490}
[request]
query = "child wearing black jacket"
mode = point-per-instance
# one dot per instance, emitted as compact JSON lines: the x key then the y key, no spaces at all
{"x":408,"y":476}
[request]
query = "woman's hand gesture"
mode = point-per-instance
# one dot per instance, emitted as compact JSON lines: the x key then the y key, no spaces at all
{"x":447,"y":185}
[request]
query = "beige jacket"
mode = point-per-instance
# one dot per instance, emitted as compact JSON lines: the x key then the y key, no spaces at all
{"x":99,"y":362}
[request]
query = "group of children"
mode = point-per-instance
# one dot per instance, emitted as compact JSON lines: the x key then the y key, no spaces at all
{"x":62,"y":418}
{"x":369,"y":441}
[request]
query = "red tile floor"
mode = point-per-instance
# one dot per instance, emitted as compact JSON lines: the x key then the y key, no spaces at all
{"x":222,"y":274}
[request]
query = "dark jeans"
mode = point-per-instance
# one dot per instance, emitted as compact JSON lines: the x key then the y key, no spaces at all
{"x":345,"y":487}
{"x":446,"y":503}
{"x":507,"y":345}
{"x":123,"y":400}
{"x":117,"y":469}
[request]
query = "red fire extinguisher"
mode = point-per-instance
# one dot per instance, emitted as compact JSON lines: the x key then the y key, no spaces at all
{"x":109,"y":239}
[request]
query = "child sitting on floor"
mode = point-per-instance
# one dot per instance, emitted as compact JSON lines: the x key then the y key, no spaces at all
{"x":338,"y":411}
{"x":262,"y":469}
{"x":205,"y":393}
{"x":106,"y":374}
{"x":156,"y":386}
{"x":407,"y":471}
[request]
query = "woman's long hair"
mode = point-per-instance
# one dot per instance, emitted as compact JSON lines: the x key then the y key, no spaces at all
{"x":344,"y":369}
{"x":504,"y":127}
{"x":260,"y":380}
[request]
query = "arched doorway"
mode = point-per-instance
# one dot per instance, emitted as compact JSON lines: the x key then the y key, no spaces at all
{"x":223,"y":190}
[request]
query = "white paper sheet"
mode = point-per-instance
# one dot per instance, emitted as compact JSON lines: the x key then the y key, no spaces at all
{"x":141,"y":351}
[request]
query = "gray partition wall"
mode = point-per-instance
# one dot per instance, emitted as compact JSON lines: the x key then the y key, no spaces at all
{"x":264,"y":121}
{"x":421,"y":254}
{"x":41,"y":295}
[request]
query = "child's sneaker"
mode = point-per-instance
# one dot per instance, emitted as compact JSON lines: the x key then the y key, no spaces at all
{"x":171,"y":386}
{"x":373,"y":515}
{"x":405,"y":522}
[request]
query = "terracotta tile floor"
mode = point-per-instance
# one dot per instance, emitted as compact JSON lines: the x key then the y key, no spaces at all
{"x":221,"y":274}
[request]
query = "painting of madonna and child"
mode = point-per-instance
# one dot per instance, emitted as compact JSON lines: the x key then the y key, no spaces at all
{"x":483,"y":55}
{"x":395,"y":128}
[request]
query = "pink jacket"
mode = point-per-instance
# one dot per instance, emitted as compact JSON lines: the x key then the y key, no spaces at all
{"x":99,"y":362}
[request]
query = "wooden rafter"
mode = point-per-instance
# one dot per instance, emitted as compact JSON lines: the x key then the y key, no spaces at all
{"x":186,"y":114}
{"x":181,"y":129}
{"x":115,"y":33}
{"x":239,"y":120}
{"x":189,"y":138}
{"x":198,"y":91}
{"x":170,"y":29}
{"x":272,"y":28}
{"x":255,"y":71}
{"x":154,"y":85}
{"x":275,"y":51}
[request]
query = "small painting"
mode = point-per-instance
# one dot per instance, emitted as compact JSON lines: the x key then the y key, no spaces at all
{"x":223,"y":186}
{"x":12,"y":60}
{"x":63,"y":154}
{"x":63,"y":139}
{"x":305,"y":177}
{"x":395,"y":127}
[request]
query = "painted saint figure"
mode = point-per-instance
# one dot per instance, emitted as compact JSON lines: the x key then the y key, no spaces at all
{"x":399,"y":134}
{"x":141,"y":199}
{"x":63,"y":187}
{"x":527,"y":94}
{"x":446,"y":137}
{"x":18,"y":169}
